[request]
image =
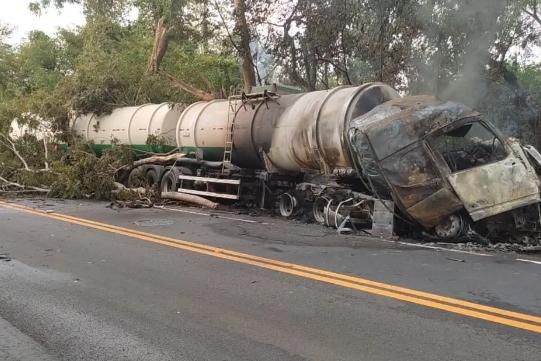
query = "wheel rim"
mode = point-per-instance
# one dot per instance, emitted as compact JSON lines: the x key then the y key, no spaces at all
{"x":452,"y":228}
{"x":168,"y":184}
{"x":288,"y":203}
{"x":318,"y":209}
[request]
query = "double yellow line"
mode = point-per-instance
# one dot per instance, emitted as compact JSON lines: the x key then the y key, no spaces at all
{"x":461,"y":307}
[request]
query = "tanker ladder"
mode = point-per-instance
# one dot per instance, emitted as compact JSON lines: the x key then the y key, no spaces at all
{"x":234,"y":100}
{"x":228,"y":143}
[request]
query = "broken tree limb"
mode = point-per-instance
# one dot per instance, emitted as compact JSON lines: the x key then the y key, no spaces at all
{"x":11,"y":146}
{"x":46,"y":160}
{"x":23,"y":188}
{"x":190,"y":198}
{"x":199,"y":93}
{"x":119,"y":187}
{"x":159,"y":159}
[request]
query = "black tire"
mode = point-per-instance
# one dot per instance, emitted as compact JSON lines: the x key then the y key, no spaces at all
{"x":136,"y":179}
{"x":169,"y":182}
{"x":152,"y":178}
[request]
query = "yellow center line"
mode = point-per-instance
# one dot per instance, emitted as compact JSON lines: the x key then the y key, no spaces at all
{"x":466,"y":308}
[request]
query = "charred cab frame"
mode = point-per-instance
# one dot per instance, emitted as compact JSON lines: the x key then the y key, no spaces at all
{"x":415,"y":173}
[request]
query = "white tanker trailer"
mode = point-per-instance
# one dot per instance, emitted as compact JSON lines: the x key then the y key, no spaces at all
{"x":350,"y":156}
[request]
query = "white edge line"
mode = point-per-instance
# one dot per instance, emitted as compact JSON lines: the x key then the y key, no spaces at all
{"x":528,"y":260}
{"x":445,"y":249}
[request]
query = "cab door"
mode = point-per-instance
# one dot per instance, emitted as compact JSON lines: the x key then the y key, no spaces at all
{"x":488,"y":175}
{"x":418,"y":185}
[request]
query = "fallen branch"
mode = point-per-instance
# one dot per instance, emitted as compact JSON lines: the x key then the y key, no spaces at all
{"x":119,"y":188}
{"x":201,"y":94}
{"x":22,"y":191}
{"x":531,"y":249}
{"x":46,"y":160}
{"x":11,"y":146}
{"x":23,"y":187}
{"x":190,"y":198}
{"x":160,"y":159}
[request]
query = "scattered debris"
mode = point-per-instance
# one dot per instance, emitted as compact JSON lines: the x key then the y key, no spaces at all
{"x":5,"y":258}
{"x":456,"y":259}
{"x":137,"y":203}
{"x":531,"y":249}
{"x":154,"y":222}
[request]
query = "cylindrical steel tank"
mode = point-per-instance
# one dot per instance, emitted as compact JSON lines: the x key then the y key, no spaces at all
{"x":304,"y":131}
{"x":202,"y":126}
{"x":132,"y":126}
{"x":293,"y":132}
{"x":42,"y":131}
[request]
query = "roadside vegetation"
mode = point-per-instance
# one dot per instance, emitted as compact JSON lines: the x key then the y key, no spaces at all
{"x":484,"y":53}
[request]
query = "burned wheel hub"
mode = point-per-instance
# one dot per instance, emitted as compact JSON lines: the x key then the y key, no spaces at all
{"x":288,"y":205}
{"x":452,"y":228}
{"x":318,"y":209}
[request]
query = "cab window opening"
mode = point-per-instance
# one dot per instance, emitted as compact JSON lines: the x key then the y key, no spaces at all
{"x":468,"y":146}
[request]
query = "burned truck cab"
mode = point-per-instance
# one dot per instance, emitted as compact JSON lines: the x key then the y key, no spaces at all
{"x":444,"y":166}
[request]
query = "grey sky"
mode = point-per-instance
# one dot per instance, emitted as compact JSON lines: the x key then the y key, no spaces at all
{"x":15,"y":13}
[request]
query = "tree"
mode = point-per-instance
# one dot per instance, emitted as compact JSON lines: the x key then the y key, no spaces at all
{"x":533,"y":9}
{"x":243,"y":47}
{"x":326,"y":43}
{"x":165,"y":17}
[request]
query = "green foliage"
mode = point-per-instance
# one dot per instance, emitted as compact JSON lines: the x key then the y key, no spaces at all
{"x":529,"y":78}
{"x":215,"y":73}
{"x":81,"y":174}
{"x":156,"y":140}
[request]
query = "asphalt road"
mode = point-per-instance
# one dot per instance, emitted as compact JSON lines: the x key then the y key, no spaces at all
{"x":72,"y":290}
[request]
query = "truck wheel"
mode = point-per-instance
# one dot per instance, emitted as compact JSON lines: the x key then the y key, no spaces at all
{"x":136,"y":179}
{"x":318,"y":209}
{"x":453,"y":228}
{"x":169,"y":181}
{"x":288,"y":205}
{"x":152,"y":178}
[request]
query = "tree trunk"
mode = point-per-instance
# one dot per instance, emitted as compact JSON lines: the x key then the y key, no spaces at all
{"x":160,"y":159}
{"x":161,"y":42}
{"x":533,"y":12}
{"x":242,"y":29}
{"x":190,"y":198}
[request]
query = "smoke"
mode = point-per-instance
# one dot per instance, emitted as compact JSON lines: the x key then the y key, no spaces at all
{"x":453,"y":62}
{"x":470,"y":85}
